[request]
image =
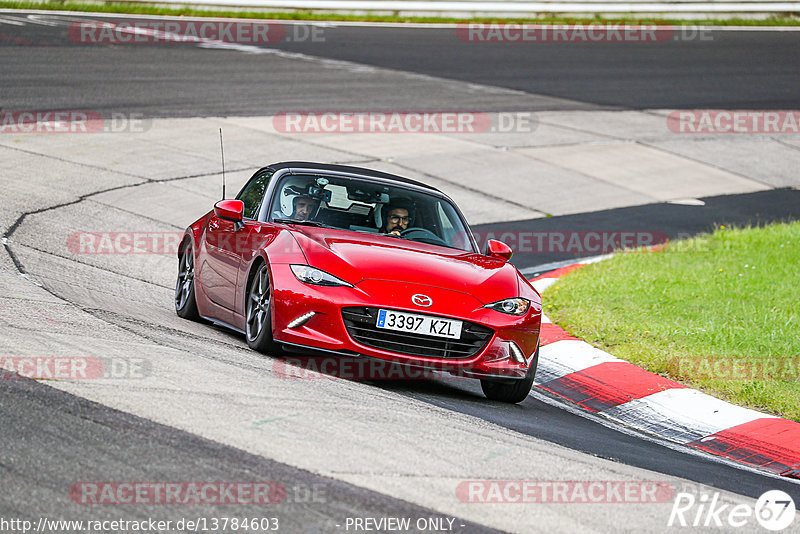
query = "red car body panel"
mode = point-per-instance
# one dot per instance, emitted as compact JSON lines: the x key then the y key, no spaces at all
{"x":380,"y":257}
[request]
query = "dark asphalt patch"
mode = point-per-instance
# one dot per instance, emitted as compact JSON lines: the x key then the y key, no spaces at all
{"x":547,"y":240}
{"x":51,"y":440}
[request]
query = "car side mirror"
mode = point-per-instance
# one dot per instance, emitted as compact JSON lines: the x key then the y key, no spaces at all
{"x":498,"y":249}
{"x":230,"y":210}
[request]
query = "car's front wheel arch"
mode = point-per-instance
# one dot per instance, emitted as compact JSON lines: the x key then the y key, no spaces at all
{"x":258,"y":309}
{"x":185,"y":296}
{"x":512,"y":392}
{"x":254,"y":267}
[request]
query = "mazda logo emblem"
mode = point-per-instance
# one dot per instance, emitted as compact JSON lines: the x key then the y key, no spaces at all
{"x":422,"y":300}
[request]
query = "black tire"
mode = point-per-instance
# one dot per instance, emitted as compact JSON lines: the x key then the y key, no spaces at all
{"x":511,"y":392}
{"x":258,"y":313}
{"x":185,"y":300}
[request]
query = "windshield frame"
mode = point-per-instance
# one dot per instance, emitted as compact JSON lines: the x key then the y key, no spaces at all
{"x":277,"y":177}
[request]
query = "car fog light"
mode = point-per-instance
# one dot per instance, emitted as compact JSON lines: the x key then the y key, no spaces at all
{"x":516,"y":353}
{"x":300,"y":321}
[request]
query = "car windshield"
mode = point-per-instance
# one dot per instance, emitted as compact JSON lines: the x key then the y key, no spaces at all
{"x":368,"y":207}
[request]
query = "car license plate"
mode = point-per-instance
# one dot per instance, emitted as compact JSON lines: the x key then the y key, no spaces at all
{"x":419,"y":324}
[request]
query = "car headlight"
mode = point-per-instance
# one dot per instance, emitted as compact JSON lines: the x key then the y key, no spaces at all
{"x":515,"y":306}
{"x":318,"y":277}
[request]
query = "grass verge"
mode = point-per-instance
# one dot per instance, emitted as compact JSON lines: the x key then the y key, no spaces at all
{"x":719,"y":312}
{"x":152,"y":9}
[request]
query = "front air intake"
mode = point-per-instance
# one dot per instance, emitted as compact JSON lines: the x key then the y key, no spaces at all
{"x":361,"y":325}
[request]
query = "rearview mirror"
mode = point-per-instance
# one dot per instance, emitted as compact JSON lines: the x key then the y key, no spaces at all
{"x":367,"y":196}
{"x":230,"y":210}
{"x":498,"y":249}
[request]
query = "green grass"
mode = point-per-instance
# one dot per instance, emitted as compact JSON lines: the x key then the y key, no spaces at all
{"x":720,"y":305}
{"x":152,"y":9}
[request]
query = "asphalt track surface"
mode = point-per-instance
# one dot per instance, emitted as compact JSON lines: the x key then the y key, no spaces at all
{"x":44,"y":433}
{"x":719,"y":69}
{"x":47,"y":436}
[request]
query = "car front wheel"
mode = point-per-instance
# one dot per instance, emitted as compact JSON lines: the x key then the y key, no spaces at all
{"x":512,"y":392}
{"x":259,"y":312}
{"x":185,"y":301}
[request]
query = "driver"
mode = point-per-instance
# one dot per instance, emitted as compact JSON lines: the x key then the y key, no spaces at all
{"x":397,"y":215}
{"x":304,"y":207}
{"x":304,"y":200}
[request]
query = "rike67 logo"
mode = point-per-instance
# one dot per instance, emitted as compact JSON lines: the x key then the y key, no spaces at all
{"x":774,"y":510}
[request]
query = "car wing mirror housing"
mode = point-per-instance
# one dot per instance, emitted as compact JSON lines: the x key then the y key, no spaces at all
{"x":498,"y":249}
{"x":230,"y":210}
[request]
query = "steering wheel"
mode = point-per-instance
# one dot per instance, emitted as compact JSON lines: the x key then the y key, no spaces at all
{"x":424,"y":236}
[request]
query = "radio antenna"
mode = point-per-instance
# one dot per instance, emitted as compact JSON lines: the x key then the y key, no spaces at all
{"x":222,"y":153}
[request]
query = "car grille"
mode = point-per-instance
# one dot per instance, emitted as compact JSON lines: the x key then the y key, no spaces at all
{"x":360,"y":323}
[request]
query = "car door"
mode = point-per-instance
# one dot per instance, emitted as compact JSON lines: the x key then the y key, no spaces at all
{"x":227,"y":241}
{"x":252,"y":238}
{"x":221,"y":263}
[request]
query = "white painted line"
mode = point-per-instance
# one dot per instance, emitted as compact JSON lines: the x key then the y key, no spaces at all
{"x":542,"y":284}
{"x":568,"y":356}
{"x":595,"y":259}
{"x":509,"y":7}
{"x":42,"y":21}
{"x":338,"y":64}
{"x":337,"y":23}
{"x":12,"y":21}
{"x":602,"y":419}
{"x":682,"y":415}
{"x":687,"y":202}
{"x":560,"y":264}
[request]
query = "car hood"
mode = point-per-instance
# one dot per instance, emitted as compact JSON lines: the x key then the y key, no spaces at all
{"x":355,"y":257}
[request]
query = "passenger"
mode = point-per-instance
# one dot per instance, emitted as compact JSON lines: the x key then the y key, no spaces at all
{"x":397,"y":215}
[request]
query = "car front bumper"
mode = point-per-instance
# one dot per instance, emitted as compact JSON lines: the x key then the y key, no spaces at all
{"x":310,"y":316}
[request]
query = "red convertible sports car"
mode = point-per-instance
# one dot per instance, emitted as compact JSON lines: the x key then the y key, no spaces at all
{"x":354,"y":262}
